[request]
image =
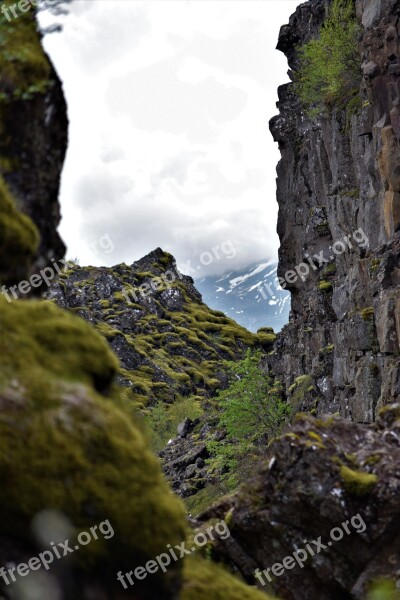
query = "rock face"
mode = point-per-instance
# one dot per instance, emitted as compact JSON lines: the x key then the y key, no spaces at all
{"x":34,"y":131}
{"x":323,"y":475}
{"x":339,"y":195}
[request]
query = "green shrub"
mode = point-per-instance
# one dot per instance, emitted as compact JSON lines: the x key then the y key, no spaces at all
{"x":330,"y":71}
{"x":251,"y":412}
{"x":164,"y":419}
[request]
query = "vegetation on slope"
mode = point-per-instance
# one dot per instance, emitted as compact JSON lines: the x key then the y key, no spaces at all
{"x":25,"y":69}
{"x":251,"y":411}
{"x":330,"y":69}
{"x":170,"y":344}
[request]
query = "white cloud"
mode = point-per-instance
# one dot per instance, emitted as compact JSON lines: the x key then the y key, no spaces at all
{"x":169,"y":104}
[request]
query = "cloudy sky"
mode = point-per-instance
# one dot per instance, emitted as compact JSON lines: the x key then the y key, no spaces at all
{"x":169,"y":103}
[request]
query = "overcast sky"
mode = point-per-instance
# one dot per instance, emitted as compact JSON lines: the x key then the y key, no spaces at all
{"x":169,"y":103}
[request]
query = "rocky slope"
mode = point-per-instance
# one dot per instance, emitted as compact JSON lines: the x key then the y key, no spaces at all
{"x":339,"y":177}
{"x":170,"y":344}
{"x":171,"y":347}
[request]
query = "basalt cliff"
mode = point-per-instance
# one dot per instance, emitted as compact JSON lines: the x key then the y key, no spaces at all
{"x":339,"y":355}
{"x":339,"y":174}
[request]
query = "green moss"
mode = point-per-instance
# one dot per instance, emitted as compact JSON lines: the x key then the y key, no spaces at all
{"x":266,"y":340}
{"x":374,"y":264}
{"x":119,"y":297}
{"x":330,"y":270}
{"x":367,"y":313}
{"x":373,"y":459}
{"x":327,"y":349}
{"x":19,"y":239}
{"x":353,"y":192}
{"x":106,"y":330}
{"x":204,"y":580}
{"x":357,"y":483}
{"x":298,"y":390}
{"x":65,"y":446}
{"x":266,"y":330}
{"x":24,"y":67}
{"x":383,"y":589}
{"x":61,"y":343}
{"x":315,"y":436}
{"x":325,"y":286}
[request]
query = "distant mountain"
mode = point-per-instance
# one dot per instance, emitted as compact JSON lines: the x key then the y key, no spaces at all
{"x":251,"y":296}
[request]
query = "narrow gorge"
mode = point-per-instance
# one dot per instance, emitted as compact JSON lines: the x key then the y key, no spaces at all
{"x":116,"y":382}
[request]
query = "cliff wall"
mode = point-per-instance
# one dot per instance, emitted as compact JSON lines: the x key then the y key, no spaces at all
{"x":338,"y":190}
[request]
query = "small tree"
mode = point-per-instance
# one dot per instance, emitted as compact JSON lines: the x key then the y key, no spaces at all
{"x":330,"y":69}
{"x":251,"y":411}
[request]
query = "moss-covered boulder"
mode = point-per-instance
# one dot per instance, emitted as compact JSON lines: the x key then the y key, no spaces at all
{"x":204,"y":580}
{"x":67,"y":444}
{"x":19,"y":239}
{"x":326,"y":480}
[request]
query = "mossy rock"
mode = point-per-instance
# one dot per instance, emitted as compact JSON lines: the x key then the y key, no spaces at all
{"x":325,"y":286}
{"x":357,"y":483}
{"x":204,"y":580}
{"x":367,"y":313}
{"x":266,"y":340}
{"x":66,"y":445}
{"x":24,"y":67}
{"x":53,"y":343}
{"x":19,"y":239}
{"x":374,"y":264}
{"x":302,"y":386}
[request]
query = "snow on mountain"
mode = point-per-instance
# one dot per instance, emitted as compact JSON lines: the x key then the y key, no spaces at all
{"x":251,"y":296}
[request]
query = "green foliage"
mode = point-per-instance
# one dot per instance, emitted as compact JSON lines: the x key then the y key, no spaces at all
{"x":251,"y":411}
{"x":25,"y":69}
{"x":163,"y":419}
{"x":330,"y":65}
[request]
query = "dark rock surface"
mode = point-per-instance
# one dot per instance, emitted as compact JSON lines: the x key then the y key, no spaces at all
{"x":339,"y":174}
{"x":320,"y":475}
{"x":33,"y":143}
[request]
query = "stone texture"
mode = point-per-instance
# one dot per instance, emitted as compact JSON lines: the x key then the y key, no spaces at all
{"x":321,"y":474}
{"x":340,"y":173}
